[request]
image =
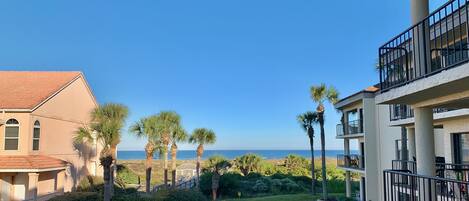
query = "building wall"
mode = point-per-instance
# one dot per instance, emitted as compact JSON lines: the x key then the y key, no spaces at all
{"x":24,"y":133}
{"x":371,"y":155}
{"x":385,"y":139}
{"x":59,"y":118}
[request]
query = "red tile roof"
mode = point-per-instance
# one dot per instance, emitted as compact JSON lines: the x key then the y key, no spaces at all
{"x":30,"y":162}
{"x":26,"y":89}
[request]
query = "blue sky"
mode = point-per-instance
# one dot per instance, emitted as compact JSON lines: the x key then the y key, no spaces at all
{"x":240,"y":67}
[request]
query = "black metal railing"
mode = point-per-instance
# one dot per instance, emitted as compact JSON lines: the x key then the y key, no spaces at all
{"x":400,"y":186}
{"x":436,"y":43}
{"x":399,"y":111}
{"x":353,"y":161}
{"x":350,"y":128}
{"x":404,"y":166}
{"x":458,"y":172}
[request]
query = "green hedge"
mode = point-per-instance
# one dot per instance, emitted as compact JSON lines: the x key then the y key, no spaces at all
{"x":77,"y":196}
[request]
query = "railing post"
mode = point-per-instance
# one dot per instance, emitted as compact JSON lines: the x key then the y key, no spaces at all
{"x":384,"y":186}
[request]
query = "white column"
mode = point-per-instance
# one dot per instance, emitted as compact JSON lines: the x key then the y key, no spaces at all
{"x":419,"y":10}
{"x":424,"y":141}
{"x":33,"y":179}
{"x":362,"y":191}
{"x":348,"y":186}
{"x":411,"y":143}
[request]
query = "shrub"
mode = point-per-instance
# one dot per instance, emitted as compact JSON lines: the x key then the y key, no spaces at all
{"x":260,"y":186}
{"x":90,"y":184}
{"x":267,"y":168}
{"x":76,"y":196}
{"x":126,"y":175}
{"x":297,"y":165}
{"x":248,"y":163}
{"x":229,"y":184}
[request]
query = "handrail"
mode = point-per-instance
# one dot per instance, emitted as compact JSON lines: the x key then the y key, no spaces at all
{"x":426,"y":177}
{"x":425,"y":52}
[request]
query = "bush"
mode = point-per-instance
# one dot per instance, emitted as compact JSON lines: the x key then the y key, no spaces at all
{"x":184,"y":195}
{"x":126,"y":175}
{"x":90,"y":184}
{"x":260,"y":186}
{"x":76,"y":196}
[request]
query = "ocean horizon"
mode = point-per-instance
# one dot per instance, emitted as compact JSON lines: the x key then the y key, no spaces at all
{"x":231,"y":154}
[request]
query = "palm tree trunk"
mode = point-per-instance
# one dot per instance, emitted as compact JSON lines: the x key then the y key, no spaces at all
{"x":313,"y":177}
{"x":113,"y":168}
{"x":165,"y":165}
{"x":323,"y":157}
{"x":200,"y":151}
{"x":215,"y":185}
{"x":197,"y":168}
{"x":173,"y":165}
{"x":148,"y":164}
{"x":106,"y":162}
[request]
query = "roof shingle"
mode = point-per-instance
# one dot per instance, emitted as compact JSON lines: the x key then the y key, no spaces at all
{"x":27,"y":89}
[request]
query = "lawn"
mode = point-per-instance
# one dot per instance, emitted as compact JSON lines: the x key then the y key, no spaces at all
{"x":292,"y":197}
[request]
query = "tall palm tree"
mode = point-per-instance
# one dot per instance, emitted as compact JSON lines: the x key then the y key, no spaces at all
{"x":147,"y":128}
{"x":179,"y":135}
{"x":168,"y":122}
{"x":201,"y":136}
{"x":306,"y":120}
{"x":321,"y":94}
{"x":106,"y":125}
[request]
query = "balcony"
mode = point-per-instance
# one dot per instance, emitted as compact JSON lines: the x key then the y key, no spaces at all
{"x":400,"y":112}
{"x":403,"y":183}
{"x":349,"y":128}
{"x":351,"y":161}
{"x":436,"y":43}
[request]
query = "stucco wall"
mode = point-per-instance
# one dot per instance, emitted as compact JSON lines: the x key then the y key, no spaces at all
{"x":59,"y":118}
{"x":385,"y":139}
{"x":24,"y":134}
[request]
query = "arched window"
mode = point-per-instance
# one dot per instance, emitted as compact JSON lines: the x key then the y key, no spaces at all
{"x":12,"y":134}
{"x":36,"y":135}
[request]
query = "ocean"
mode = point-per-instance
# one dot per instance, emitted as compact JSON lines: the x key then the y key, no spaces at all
{"x":231,"y":154}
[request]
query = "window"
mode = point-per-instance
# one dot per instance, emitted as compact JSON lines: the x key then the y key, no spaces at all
{"x":12,"y":131}
{"x":36,"y":135}
{"x":461,"y":148}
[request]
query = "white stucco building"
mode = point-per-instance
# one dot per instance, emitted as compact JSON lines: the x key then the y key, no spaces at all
{"x":413,"y":128}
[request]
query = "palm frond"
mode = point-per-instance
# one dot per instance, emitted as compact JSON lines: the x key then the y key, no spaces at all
{"x":332,"y":95}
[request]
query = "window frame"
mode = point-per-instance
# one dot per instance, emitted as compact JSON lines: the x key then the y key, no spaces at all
{"x":5,"y":138}
{"x":38,"y":126}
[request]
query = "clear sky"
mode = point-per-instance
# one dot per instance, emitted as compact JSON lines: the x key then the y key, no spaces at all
{"x":240,"y":67}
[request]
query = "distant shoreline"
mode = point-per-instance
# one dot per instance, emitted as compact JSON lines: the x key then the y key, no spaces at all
{"x":231,"y":154}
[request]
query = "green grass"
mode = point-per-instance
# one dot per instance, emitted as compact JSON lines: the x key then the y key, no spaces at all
{"x":292,"y":197}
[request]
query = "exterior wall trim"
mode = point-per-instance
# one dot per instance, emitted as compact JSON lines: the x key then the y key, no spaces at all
{"x":33,"y":170}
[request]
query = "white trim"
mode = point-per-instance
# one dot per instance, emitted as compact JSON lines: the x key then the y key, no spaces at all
{"x":33,"y":170}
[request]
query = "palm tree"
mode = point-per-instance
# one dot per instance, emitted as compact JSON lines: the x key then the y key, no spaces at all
{"x":320,"y":94}
{"x":201,"y":136}
{"x":147,"y":127}
{"x":168,"y":122}
{"x":179,"y":135}
{"x":306,"y":120}
{"x":106,"y":125}
{"x":248,"y":163}
{"x":217,"y":165}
